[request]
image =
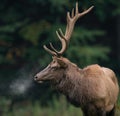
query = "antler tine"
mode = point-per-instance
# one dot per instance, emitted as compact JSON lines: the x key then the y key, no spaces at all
{"x":50,"y":51}
{"x":64,"y":38}
{"x":72,"y":19}
{"x":85,"y":12}
{"x":54,"y":52}
{"x":63,"y":41}
{"x":53,"y":48}
{"x":61,"y":36}
{"x":73,"y":12}
{"x":61,"y":51}
{"x":77,"y":11}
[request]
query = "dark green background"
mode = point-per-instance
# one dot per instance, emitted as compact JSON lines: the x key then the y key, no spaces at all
{"x":26,"y":25}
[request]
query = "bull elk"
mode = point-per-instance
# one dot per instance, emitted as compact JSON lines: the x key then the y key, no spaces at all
{"x":94,"y":88}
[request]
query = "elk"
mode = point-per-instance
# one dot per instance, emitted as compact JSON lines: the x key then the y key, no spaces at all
{"x":94,"y":88}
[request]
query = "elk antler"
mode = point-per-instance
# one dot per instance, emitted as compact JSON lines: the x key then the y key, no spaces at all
{"x":64,"y":38}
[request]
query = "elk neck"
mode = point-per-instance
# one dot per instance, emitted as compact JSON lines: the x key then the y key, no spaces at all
{"x":69,"y":82}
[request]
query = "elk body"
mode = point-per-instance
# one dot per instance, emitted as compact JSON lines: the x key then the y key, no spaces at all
{"x":94,"y":88}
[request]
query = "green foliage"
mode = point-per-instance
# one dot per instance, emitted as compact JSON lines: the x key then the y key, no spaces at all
{"x":26,"y":25}
{"x":83,"y":51}
{"x":103,"y":9}
{"x":32,"y":31}
{"x":57,"y":108}
{"x":87,"y":55}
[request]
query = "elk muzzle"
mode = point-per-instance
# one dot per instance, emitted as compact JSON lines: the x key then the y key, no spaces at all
{"x":43,"y":75}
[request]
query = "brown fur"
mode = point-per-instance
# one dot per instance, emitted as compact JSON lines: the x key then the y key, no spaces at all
{"x":94,"y":88}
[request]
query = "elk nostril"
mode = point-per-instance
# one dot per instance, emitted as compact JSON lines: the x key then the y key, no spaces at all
{"x":35,"y":77}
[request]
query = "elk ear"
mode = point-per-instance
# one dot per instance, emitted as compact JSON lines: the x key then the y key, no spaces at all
{"x":61,"y":63}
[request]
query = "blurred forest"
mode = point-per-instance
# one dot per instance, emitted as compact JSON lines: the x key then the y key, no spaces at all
{"x":26,"y":25}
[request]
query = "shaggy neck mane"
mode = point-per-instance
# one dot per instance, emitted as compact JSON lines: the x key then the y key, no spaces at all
{"x":69,"y":84}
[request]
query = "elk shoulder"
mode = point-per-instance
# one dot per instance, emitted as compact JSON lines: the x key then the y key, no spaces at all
{"x":93,"y":71}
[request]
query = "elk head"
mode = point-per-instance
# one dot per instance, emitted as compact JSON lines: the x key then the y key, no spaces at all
{"x":57,"y":68}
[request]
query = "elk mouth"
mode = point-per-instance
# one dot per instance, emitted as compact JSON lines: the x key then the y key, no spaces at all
{"x":40,"y":82}
{"x":41,"y":79}
{"x":37,"y":79}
